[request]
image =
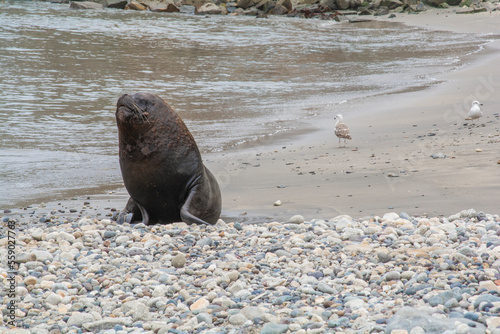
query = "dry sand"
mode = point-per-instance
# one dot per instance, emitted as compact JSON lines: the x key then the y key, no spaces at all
{"x":387,"y":166}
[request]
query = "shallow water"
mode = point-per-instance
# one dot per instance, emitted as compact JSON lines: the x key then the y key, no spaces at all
{"x":232,"y":79}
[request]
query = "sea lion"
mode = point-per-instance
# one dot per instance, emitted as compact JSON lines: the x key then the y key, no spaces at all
{"x":161,"y":165}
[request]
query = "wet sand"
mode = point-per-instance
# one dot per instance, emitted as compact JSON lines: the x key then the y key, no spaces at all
{"x":387,"y":166}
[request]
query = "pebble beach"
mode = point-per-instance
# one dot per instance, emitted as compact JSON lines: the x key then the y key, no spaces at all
{"x":390,"y":274}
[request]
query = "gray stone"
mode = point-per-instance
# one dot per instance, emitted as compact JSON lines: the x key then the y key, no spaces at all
{"x":85,"y":5}
{"x":390,"y":216}
{"x":384,"y":257}
{"x":79,"y":318}
{"x":393,"y":276}
{"x":205,"y":242}
{"x":404,"y":215}
{"x":323,"y":287}
{"x":107,"y":323}
{"x":281,"y":252}
{"x":278,"y":10}
{"x":43,"y":256}
{"x":211,"y":9}
{"x":355,"y":303}
{"x":408,"y":318}
{"x":133,"y":251}
{"x":37,"y":234}
{"x":343,"y":4}
{"x":59,"y":286}
{"x":458,"y":257}
{"x":273,"y":328}
{"x":53,"y":299}
{"x":435,"y":301}
{"x":160,"y":291}
{"x":486,"y":298}
{"x":416,"y":288}
{"x":467,"y":251}
{"x":66,"y":236}
{"x":252,"y":312}
{"x":204,"y":318}
{"x":245,"y":4}
{"x":122,"y":239}
{"x":452,"y":303}
{"x":179,"y":260}
{"x":297,"y":219}
{"x":438,"y":155}
{"x":137,"y":310}
{"x":25,"y":257}
{"x":237,"y":319}
{"x":118,"y":4}
{"x":109,"y":234}
{"x":164,"y":7}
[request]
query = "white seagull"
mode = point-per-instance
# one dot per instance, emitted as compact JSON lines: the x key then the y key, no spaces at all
{"x":475,"y":111}
{"x":341,"y":130}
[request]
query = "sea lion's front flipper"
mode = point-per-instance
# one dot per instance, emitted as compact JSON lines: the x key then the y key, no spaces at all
{"x":124,"y":217}
{"x":133,"y":212}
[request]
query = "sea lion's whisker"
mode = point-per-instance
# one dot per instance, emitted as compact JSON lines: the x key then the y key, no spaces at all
{"x":140,"y":111}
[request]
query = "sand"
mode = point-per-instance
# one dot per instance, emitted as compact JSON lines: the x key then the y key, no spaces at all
{"x":388,"y":164}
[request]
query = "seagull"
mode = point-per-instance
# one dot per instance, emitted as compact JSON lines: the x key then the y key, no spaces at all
{"x":341,"y":130}
{"x":475,"y":111}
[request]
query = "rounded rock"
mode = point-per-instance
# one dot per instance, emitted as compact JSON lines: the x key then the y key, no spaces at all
{"x":30,"y":280}
{"x":37,"y":234}
{"x":393,"y":276}
{"x":237,"y":319}
{"x":79,"y":318}
{"x":297,"y":219}
{"x":53,"y":299}
{"x":179,"y":260}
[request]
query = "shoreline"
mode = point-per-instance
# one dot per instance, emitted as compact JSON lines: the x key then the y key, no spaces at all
{"x":386,"y":168}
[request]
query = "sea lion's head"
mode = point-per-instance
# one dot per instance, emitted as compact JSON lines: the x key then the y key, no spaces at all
{"x":138,"y":110}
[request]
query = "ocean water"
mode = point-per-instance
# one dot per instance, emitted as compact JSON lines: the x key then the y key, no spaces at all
{"x":233,"y":80}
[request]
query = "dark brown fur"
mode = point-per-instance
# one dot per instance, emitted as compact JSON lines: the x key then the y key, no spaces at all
{"x":161,"y":165}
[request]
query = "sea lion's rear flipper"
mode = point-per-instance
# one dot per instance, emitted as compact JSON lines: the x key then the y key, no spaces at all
{"x":188,"y":208}
{"x":203,"y":202}
{"x":133,"y":212}
{"x":189,"y":218}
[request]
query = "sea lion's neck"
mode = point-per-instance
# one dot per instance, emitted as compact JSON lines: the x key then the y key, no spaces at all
{"x":136,"y":145}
